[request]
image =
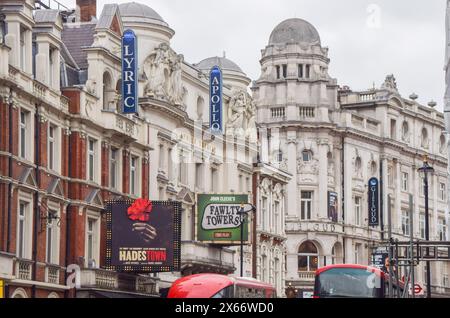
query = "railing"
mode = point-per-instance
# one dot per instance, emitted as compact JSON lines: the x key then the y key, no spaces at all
{"x":145,"y":285}
{"x":307,"y":112}
{"x":23,"y":269}
{"x":52,"y":275}
{"x":278,"y":112}
{"x":367,"y":97}
{"x":39,"y":90}
{"x":308,"y":276}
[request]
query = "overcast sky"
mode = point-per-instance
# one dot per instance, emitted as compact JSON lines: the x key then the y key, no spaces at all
{"x":367,"y":39}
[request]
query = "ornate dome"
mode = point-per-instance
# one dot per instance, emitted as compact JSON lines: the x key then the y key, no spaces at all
{"x":294,"y":31}
{"x":222,"y":62}
{"x":140,"y":13}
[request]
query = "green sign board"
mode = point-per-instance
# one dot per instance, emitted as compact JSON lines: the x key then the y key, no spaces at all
{"x":218,"y":221}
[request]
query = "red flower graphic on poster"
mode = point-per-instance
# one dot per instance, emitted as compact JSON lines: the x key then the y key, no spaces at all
{"x":140,"y":210}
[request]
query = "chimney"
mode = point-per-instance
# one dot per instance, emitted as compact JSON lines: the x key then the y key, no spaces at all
{"x":86,"y":10}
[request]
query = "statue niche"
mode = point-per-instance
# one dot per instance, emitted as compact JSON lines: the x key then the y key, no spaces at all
{"x":163,"y":69}
{"x":242,"y":115}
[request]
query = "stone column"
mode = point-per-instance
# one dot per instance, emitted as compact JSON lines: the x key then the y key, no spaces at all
{"x":12,"y":40}
{"x":292,"y":206}
{"x":43,"y":62}
{"x":323,"y":179}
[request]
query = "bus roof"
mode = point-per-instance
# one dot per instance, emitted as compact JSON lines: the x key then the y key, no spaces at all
{"x":354,"y":266}
{"x":199,"y":286}
{"x":207,"y":285}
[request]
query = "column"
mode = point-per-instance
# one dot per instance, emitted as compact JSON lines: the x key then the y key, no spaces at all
{"x":323,"y":179}
{"x":292,"y":195}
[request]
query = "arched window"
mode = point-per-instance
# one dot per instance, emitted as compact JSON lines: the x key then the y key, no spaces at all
{"x":307,"y":155}
{"x":200,"y":107}
{"x":424,"y":139}
{"x":373,"y":168}
{"x":336,"y":253}
{"x":108,"y":91}
{"x":280,"y":156}
{"x":405,"y":131}
{"x":118,"y":97}
{"x":442,"y":144}
{"x":308,"y":257}
{"x":19,"y":293}
{"x":358,"y":164}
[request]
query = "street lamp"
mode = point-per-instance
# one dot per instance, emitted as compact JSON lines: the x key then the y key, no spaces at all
{"x":424,"y":171}
{"x":243,"y":214}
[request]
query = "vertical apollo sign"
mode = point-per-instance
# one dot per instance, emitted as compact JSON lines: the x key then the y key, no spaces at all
{"x":129,"y":73}
{"x":374,"y":186}
{"x":215,"y":101}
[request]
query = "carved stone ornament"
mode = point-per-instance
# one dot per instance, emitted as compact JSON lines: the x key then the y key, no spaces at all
{"x":242,"y":115}
{"x":163,"y":69}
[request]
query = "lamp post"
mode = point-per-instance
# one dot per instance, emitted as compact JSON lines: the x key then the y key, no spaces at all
{"x":424,"y":171}
{"x":243,"y":214}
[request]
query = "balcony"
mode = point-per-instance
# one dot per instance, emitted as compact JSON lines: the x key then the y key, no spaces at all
{"x":307,"y":276}
{"x":6,"y":265}
{"x":52,"y":274}
{"x":119,"y":124}
{"x":23,"y":269}
{"x":99,"y":279}
{"x":198,"y":257}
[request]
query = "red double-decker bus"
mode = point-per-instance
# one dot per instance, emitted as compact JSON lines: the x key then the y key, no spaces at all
{"x":220,"y":286}
{"x":353,"y":281}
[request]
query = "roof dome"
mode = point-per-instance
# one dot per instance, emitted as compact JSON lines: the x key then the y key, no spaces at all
{"x":222,"y":62}
{"x":140,"y":12}
{"x":294,"y":31}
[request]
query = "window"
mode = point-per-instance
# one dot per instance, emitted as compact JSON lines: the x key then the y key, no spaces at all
{"x":51,"y":147}
{"x":182,"y":170}
{"x":161,"y":157}
{"x":92,"y":242}
{"x":393,"y":129}
{"x":170,"y":165}
{"x":264,"y":213}
{"x":52,"y":66}
{"x":308,"y":71}
{"x":114,"y":167}
{"x":52,"y":238}
{"x":306,"y":205}
{"x":133,"y":175}
{"x":306,"y":155}
{"x":422,"y":226}
{"x":22,"y":231}
{"x":23,"y":55}
{"x":390,"y":173}
{"x":241,"y":183}
{"x":405,"y":223}
{"x":92,"y":144}
{"x":357,"y":255}
{"x":405,"y":131}
{"x":264,"y":268}
{"x":442,"y":230}
{"x":2,"y":30}
{"x":358,"y":201}
{"x":277,"y":214}
{"x":199,"y":175}
{"x":23,"y":135}
{"x":284,"y":71}
{"x":280,"y":156}
{"x":300,"y":70}
{"x":278,"y":72}
{"x":214,"y":180}
{"x":424,"y":142}
{"x":442,"y":191}
{"x":442,"y":144}
{"x":405,"y":182}
{"x":308,"y":257}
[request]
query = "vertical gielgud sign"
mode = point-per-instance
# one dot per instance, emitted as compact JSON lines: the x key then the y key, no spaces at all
{"x":129,"y":73}
{"x":218,"y":219}
{"x":333,"y":206}
{"x":143,"y":236}
{"x":215,"y":101}
{"x":374,"y":215}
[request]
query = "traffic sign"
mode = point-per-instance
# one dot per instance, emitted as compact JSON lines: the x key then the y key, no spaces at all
{"x":418,"y":290}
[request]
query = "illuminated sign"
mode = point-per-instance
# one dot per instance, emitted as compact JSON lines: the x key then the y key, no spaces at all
{"x":215,"y":101}
{"x":129,"y":73}
{"x":218,"y":219}
{"x":333,"y":206}
{"x":143,"y":236}
{"x":373,"y":202}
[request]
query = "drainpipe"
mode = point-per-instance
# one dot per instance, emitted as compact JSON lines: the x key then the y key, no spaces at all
{"x":343,"y":196}
{"x":68,"y":223}
{"x":10,"y":162}
{"x":36,"y":197}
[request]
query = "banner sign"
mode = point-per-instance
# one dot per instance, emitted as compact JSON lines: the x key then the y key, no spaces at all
{"x":215,"y":101}
{"x":379,"y":257}
{"x":373,"y":202}
{"x":218,"y":220}
{"x":143,"y":236}
{"x":333,"y":206}
{"x":129,"y":73}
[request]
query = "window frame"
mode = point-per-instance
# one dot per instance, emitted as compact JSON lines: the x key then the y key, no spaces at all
{"x":306,"y":205}
{"x":92,"y":153}
{"x":92,"y":216}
